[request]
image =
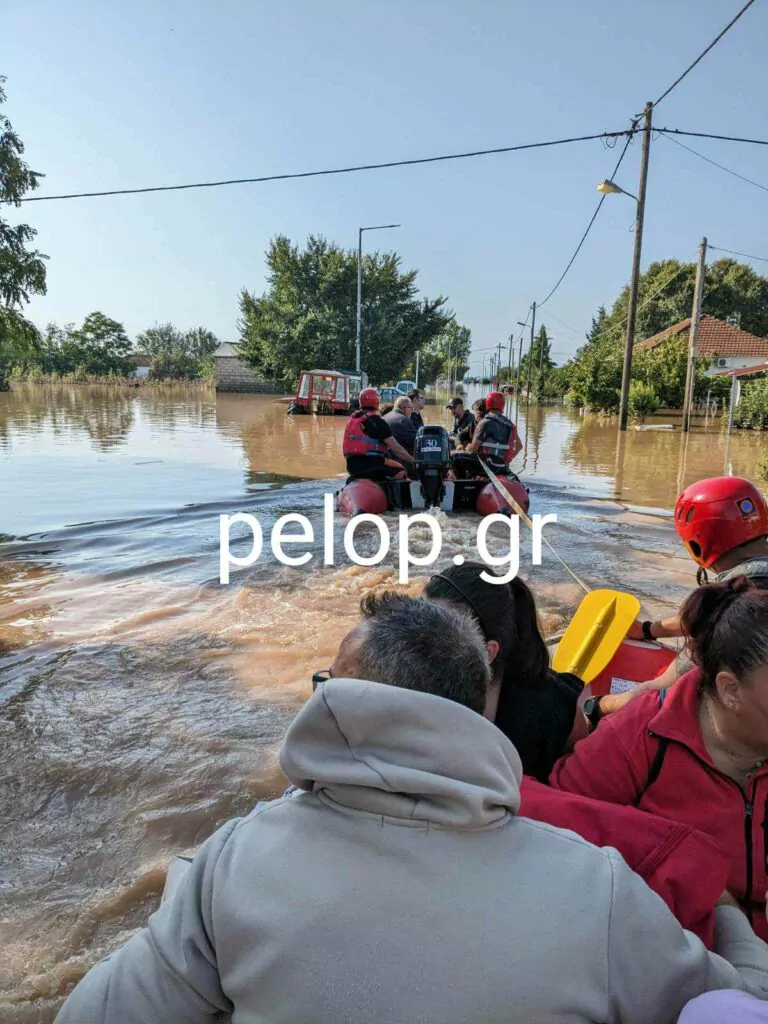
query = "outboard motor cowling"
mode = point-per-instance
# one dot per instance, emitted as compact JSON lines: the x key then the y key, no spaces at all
{"x":431,"y":461}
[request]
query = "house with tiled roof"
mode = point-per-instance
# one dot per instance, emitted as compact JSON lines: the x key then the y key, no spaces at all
{"x":727,"y":347}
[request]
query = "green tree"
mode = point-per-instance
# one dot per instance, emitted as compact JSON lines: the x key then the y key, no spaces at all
{"x":306,"y":318}
{"x":446,"y":356}
{"x":22,"y":270}
{"x":178,"y":355}
{"x":594,"y":373}
{"x":99,"y":347}
{"x":752,"y":410}
{"x":540,"y":362}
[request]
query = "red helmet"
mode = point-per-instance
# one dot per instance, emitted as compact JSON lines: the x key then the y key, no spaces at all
{"x":717,"y":515}
{"x":495,"y":400}
{"x":369,"y":398}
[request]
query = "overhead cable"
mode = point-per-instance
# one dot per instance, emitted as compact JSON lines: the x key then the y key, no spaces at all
{"x":703,"y":53}
{"x":744,"y":255}
{"x":593,"y":217}
{"x":329,"y":171}
{"x":714,"y":163}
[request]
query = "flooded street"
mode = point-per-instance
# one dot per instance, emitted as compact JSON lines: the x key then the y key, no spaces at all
{"x":142,"y":703}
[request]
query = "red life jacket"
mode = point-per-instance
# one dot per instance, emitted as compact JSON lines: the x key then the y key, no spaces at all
{"x":356,"y":442}
{"x":498,"y":439}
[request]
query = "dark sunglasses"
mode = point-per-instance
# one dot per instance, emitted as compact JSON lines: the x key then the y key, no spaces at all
{"x":320,"y":677}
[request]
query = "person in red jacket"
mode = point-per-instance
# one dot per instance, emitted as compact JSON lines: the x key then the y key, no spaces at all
{"x":698,"y":753}
{"x":723,"y":522}
{"x":537,"y":710}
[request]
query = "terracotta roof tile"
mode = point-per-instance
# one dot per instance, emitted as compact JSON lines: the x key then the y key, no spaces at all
{"x":715,"y":338}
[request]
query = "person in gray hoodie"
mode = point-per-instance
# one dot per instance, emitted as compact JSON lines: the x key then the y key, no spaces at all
{"x":397,"y":883}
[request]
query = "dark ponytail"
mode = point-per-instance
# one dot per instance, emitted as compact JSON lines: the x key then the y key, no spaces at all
{"x":726,"y":625}
{"x":505,"y":613}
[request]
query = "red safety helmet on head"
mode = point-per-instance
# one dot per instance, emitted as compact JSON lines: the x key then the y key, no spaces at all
{"x":495,"y":400}
{"x":717,"y":515}
{"x":369,"y":398}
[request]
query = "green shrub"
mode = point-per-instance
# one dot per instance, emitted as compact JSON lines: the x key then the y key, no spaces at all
{"x":643,"y":400}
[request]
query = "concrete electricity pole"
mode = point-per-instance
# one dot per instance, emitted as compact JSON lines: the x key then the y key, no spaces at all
{"x":530,"y":351}
{"x":693,"y":336}
{"x":626,"y":375}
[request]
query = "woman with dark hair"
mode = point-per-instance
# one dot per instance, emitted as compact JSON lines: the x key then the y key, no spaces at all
{"x":698,"y":752}
{"x":535,"y":707}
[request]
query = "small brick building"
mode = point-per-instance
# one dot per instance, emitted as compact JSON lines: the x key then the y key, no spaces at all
{"x":232,"y":374}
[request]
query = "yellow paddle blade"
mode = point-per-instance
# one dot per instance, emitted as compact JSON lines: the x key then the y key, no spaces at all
{"x":595,"y":632}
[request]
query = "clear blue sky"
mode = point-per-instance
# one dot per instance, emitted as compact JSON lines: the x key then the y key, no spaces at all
{"x":123,"y":95}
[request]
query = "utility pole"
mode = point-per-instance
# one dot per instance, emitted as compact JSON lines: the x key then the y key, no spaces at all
{"x":633,"y":286}
{"x":530,"y":350}
{"x":499,"y":347}
{"x":517,"y":375}
{"x":541,"y":361}
{"x":693,"y":336}
{"x":416,"y":382}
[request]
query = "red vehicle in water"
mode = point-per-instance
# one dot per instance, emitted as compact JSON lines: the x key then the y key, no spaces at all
{"x":326,"y":392}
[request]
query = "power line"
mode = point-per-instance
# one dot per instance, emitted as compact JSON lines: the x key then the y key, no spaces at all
{"x":334,"y":170}
{"x":593,"y":217}
{"x":746,"y":256}
{"x":703,"y":53}
{"x":709,"y":135}
{"x":714,"y":163}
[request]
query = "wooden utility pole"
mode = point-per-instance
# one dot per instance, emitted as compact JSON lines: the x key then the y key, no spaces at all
{"x":626,"y":375}
{"x":530,"y":352}
{"x":693,"y":336}
{"x":416,"y":382}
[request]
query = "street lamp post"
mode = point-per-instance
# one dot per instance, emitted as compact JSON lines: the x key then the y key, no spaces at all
{"x":608,"y":188}
{"x":359,"y":329}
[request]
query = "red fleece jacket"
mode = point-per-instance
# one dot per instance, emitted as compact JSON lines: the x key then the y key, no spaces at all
{"x":680,"y":864}
{"x":614,"y":764}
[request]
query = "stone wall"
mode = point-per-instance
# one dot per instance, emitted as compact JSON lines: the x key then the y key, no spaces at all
{"x":234,"y":375}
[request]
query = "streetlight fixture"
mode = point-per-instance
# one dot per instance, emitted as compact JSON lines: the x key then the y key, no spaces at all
{"x":610,"y":188}
{"x":358,"y":332}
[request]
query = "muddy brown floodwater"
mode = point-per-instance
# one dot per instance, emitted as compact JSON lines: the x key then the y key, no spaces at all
{"x":142,"y":704}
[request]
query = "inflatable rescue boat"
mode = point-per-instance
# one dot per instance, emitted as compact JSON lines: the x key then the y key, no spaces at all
{"x":434,"y":487}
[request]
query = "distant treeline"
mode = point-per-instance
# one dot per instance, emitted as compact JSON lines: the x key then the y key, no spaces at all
{"x":100,"y":349}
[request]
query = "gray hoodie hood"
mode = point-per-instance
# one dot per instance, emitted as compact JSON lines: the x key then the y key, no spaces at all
{"x":402,"y":754}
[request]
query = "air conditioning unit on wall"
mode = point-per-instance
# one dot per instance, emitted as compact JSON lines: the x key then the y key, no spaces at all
{"x":722,"y":362}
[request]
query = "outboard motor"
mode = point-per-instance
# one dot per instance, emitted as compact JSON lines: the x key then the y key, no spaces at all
{"x":431,"y":461}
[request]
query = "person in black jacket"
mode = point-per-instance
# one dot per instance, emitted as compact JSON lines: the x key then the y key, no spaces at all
{"x":417,"y":400}
{"x":537,"y":708}
{"x":464,"y":426}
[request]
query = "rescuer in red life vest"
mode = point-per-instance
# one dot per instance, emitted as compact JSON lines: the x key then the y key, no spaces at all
{"x":723,"y":522}
{"x":367,"y":440}
{"x":495,"y":440}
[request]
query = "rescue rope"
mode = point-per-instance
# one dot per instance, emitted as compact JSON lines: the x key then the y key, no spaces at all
{"x":514,"y":505}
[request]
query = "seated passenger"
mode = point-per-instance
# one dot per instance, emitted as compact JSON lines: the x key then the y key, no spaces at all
{"x":417,"y":399}
{"x":368,"y":440}
{"x":464,"y":422}
{"x":698,"y":753}
{"x":535,"y":707}
{"x":397,"y":882}
{"x":401,"y":424}
{"x":494,"y":440}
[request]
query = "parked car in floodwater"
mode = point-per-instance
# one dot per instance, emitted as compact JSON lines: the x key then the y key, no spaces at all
{"x":389,"y":394}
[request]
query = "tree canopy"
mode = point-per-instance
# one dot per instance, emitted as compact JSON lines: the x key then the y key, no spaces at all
{"x":306,"y":318}
{"x":445,"y":356}
{"x":22,"y":269}
{"x":733,"y":292}
{"x":178,"y":354}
